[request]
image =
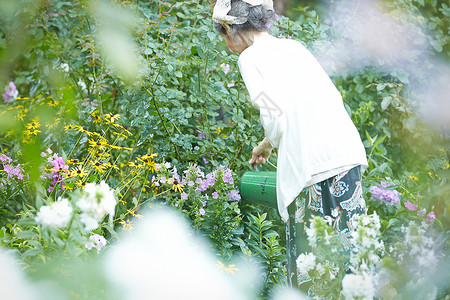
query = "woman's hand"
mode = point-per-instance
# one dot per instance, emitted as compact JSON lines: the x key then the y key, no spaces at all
{"x":261,"y":153}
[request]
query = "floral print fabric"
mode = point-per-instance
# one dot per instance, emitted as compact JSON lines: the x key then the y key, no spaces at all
{"x":338,"y":199}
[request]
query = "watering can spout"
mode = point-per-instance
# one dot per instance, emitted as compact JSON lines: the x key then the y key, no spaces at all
{"x":259,"y":188}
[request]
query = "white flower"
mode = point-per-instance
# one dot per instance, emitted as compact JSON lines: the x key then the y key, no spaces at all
{"x":97,"y":201}
{"x":312,"y":235}
{"x":357,"y":287}
{"x":65,"y":67}
{"x":320,"y":269}
{"x":305,"y":262}
{"x":56,"y":215}
{"x":89,"y":222}
{"x":83,"y":86}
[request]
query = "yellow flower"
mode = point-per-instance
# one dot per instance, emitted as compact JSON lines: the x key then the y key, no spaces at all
{"x":22,"y":114}
{"x":68,"y":127}
{"x":79,"y":171}
{"x":73,"y":161}
{"x":99,"y":155}
{"x":83,"y":129}
{"x":230,"y":269}
{"x":33,"y":124}
{"x":218,"y":130}
{"x":111,"y":118}
{"x":53,"y":103}
{"x":80,"y":183}
{"x":136,"y":165}
{"x":176,"y":185}
{"x":127,"y":225}
{"x":124,"y":128}
{"x":110,"y":165}
{"x":134,"y":214}
{"x":99,"y":145}
{"x":99,"y":166}
{"x":120,"y":135}
{"x":31,"y":131}
{"x":119,"y":147}
{"x":55,"y":122}
{"x":96,"y":117}
{"x":412,"y":177}
{"x":145,"y":159}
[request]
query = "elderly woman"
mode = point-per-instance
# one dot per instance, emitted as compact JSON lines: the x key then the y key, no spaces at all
{"x":320,"y":153}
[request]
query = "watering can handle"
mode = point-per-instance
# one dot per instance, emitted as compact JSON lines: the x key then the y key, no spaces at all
{"x":267,"y":161}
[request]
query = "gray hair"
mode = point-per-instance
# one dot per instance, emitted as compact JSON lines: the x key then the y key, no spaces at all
{"x":258,"y":18}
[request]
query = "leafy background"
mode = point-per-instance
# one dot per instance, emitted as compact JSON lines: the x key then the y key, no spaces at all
{"x":154,"y":77}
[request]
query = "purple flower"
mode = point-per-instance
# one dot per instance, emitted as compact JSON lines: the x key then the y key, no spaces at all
{"x":43,"y":154}
{"x":99,"y":241}
{"x":7,"y":169}
{"x":201,"y":135}
{"x":215,"y":195}
{"x":89,"y":245}
{"x":184,"y":196}
{"x":410,"y":206}
{"x":201,"y":211}
{"x":204,"y":185}
{"x":234,"y":196}
{"x":226,"y":68}
{"x":384,"y":194}
{"x":210,"y":180}
{"x":421,"y":212}
{"x":49,"y":151}
{"x":11,"y":92}
{"x":163,"y":179}
{"x":431,"y":216}
{"x":230,"y":85}
{"x":190,"y":183}
{"x":205,"y":161}
{"x":228,"y":177}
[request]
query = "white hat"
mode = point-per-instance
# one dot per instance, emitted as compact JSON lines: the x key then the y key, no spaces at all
{"x":222,"y":8}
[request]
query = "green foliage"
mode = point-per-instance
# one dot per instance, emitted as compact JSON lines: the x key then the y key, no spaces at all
{"x":179,"y":94}
{"x":262,"y":241}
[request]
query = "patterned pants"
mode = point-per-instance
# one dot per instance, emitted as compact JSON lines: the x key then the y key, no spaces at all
{"x":339,"y":198}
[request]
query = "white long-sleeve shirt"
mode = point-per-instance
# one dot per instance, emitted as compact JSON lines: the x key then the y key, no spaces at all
{"x":302,"y":113}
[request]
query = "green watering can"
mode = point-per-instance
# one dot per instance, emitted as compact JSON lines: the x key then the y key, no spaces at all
{"x":259,"y":188}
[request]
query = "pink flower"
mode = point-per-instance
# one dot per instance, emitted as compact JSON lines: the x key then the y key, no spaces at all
{"x":5,"y":158}
{"x":184,"y":196}
{"x":230,"y":85}
{"x":201,"y":211}
{"x":215,"y":195}
{"x":43,"y":154}
{"x":410,"y":206}
{"x":431,"y":216}
{"x":421,"y":212}
{"x":49,"y":151}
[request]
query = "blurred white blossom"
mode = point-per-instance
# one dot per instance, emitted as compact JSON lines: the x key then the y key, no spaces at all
{"x":56,"y":215}
{"x":357,"y":286}
{"x":13,"y":284}
{"x":163,"y":259}
{"x":96,"y":201}
{"x":306,"y":262}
